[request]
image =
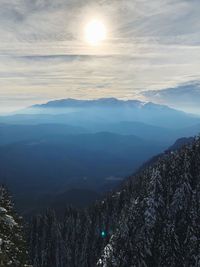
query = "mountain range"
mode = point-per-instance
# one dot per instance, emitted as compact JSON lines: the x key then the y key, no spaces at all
{"x":101,"y":111}
{"x":86,"y":145}
{"x":60,"y":163}
{"x":74,"y":157}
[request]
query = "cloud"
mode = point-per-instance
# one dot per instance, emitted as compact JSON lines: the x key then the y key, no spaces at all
{"x":185,"y":97}
{"x":151,"y":45}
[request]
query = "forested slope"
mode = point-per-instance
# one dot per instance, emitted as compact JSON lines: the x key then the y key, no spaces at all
{"x":153,"y":220}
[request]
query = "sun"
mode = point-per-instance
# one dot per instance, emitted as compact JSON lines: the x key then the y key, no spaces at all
{"x":95,"y":32}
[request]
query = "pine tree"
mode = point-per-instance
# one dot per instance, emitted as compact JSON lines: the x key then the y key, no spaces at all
{"x":152,"y":221}
{"x":13,"y":251}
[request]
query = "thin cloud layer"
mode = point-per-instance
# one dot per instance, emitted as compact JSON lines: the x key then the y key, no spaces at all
{"x":185,"y":97}
{"x":151,"y":45}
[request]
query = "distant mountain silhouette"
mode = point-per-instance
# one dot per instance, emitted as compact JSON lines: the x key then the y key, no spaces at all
{"x":88,"y":113}
{"x":106,"y":102}
{"x":13,"y":133}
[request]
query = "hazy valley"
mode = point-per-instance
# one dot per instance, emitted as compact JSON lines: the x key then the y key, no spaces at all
{"x":51,"y":151}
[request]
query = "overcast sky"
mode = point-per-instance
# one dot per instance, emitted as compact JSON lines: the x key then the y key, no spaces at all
{"x":150,"y":45}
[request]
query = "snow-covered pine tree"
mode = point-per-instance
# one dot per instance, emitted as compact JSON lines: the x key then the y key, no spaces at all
{"x":152,"y":221}
{"x":163,"y":224}
{"x":13,"y":250}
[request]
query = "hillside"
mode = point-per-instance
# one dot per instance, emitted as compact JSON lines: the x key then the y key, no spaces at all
{"x":56,"y":164}
{"x":153,"y":221}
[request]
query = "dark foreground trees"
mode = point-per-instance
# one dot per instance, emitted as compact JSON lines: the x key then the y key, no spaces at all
{"x":153,"y":220}
{"x":13,"y":249}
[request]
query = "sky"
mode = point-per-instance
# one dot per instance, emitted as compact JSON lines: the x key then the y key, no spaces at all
{"x":150,"y":46}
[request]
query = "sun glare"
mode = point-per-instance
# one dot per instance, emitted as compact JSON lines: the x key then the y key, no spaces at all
{"x":95,"y":32}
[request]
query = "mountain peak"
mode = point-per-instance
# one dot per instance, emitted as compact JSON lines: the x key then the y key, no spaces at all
{"x":64,"y":103}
